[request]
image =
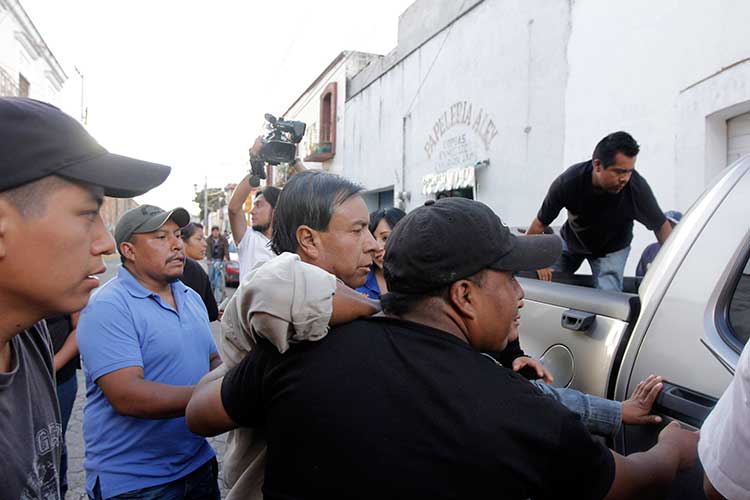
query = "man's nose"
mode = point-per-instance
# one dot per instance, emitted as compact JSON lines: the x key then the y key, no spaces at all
{"x":370,"y":244}
{"x":104,"y":243}
{"x":177,"y":243}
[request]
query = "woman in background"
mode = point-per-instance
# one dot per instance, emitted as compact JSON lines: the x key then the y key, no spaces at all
{"x":194,"y":275}
{"x":382,"y":223}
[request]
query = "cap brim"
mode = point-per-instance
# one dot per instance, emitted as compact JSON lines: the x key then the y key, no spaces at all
{"x":120,"y":176}
{"x":179,"y":215}
{"x":530,"y":253}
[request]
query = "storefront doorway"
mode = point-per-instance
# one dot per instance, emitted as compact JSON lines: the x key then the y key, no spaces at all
{"x":467,"y":192}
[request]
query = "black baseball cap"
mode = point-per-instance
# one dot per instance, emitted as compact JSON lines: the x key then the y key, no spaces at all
{"x":453,"y":238}
{"x":38,"y":140}
{"x":145,"y":219}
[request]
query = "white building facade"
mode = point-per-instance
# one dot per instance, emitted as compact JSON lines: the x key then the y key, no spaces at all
{"x":27,"y":66}
{"x":494,"y":98}
{"x":322,"y":107}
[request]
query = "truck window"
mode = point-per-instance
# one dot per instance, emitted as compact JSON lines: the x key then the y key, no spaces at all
{"x":739,"y":308}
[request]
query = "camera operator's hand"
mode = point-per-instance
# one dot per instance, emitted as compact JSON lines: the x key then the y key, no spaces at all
{"x":297,"y":164}
{"x":255,"y":149}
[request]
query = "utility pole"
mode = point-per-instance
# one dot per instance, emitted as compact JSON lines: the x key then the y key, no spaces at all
{"x":83,"y":101}
{"x":205,"y":204}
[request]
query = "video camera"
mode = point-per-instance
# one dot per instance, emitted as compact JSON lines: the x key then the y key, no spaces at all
{"x":278,"y":146}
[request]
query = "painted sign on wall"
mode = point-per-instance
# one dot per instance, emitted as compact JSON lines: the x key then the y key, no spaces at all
{"x":457,"y":135}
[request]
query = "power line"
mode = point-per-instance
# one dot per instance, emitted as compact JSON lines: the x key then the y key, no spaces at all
{"x":440,"y":50}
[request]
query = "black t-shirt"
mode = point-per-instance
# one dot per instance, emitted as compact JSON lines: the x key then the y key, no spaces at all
{"x":599,"y":222}
{"x":196,"y":278}
{"x":383,"y":408}
{"x":59,"y":329}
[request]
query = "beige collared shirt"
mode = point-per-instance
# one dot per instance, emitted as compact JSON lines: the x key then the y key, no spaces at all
{"x":284,"y":300}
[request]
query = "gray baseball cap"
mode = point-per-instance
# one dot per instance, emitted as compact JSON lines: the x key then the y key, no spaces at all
{"x":145,"y":219}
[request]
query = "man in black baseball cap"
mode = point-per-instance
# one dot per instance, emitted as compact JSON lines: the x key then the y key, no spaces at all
{"x":53,"y":177}
{"x":406,"y":405}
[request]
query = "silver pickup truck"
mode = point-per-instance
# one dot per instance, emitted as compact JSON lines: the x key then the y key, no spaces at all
{"x":688,"y":321}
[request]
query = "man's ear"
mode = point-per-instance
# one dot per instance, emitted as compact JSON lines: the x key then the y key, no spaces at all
{"x":462,"y":295}
{"x":597,"y":165}
{"x":308,"y":241}
{"x":127,"y":250}
{"x":7,"y":216}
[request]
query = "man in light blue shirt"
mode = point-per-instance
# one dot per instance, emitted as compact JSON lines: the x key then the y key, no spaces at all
{"x":145,"y":341}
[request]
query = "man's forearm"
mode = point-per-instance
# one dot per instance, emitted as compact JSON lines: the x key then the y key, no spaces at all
{"x":645,"y":475}
{"x":67,"y":352}
{"x":239,"y":195}
{"x":536,"y":227}
{"x":206,"y":415}
{"x":663,"y":232}
{"x":237,"y":219}
{"x":349,"y":305}
{"x":147,"y":399}
{"x":602,"y":417}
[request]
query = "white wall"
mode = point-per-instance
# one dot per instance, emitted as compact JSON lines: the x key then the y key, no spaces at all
{"x":503,"y":57}
{"x":655,"y":70}
{"x":556,"y":76}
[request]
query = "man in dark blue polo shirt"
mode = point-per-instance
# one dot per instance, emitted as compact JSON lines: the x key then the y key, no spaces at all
{"x":144,"y":342}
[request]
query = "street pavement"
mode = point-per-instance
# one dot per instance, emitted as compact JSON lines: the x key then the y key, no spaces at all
{"x":74,"y":435}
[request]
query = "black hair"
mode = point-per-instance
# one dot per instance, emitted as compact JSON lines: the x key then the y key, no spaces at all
{"x":270,"y":194}
{"x":397,"y":304}
{"x":616,"y":142}
{"x":30,"y":199}
{"x":309,"y":198}
{"x":188,"y":231}
{"x":391,"y":215}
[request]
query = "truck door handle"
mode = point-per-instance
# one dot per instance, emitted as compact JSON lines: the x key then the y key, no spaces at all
{"x":578,"y":321}
{"x":683,"y":404}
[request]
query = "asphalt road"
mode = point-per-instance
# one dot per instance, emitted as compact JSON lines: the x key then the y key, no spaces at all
{"x":74,"y":435}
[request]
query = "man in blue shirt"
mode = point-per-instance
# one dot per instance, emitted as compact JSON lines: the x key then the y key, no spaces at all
{"x":144,"y":342}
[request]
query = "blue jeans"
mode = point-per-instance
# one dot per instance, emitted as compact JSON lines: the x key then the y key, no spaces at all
{"x":216,"y":277}
{"x":607,"y":271}
{"x":66,"y":395}
{"x":201,"y":484}
{"x":602,"y":417}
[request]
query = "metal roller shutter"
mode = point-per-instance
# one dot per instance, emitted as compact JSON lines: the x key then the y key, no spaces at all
{"x":738,"y":137}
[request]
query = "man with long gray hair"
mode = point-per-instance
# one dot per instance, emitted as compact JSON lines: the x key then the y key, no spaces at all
{"x":320,"y":231}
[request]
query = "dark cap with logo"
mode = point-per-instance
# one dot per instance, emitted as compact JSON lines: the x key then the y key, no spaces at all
{"x":38,"y":140}
{"x":453,"y":238}
{"x":145,"y":219}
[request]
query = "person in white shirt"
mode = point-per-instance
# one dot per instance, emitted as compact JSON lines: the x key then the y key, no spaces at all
{"x":254,"y":246}
{"x":724,"y":446}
